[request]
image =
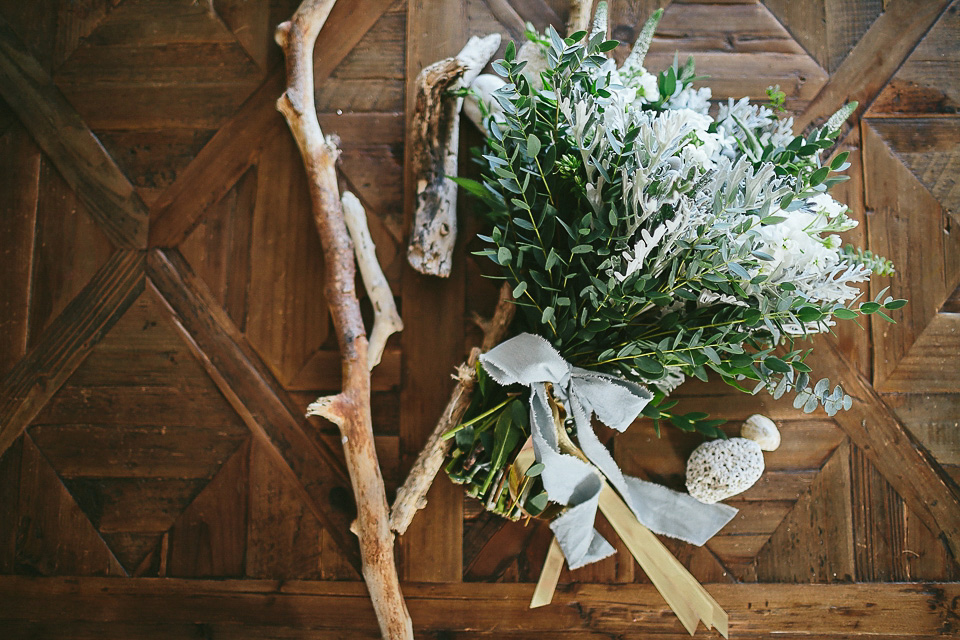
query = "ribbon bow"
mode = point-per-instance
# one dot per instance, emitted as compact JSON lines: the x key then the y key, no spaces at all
{"x":530,"y":360}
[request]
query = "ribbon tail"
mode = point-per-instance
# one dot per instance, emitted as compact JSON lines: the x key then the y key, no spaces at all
{"x":687,"y":597}
{"x":549,"y":576}
{"x":675,"y":514}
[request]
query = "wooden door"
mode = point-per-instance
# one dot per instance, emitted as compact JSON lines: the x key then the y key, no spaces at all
{"x":163,"y":326}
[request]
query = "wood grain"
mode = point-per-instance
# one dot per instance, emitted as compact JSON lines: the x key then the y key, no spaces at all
{"x":20,"y":178}
{"x":837,"y":611}
{"x":67,"y":341}
{"x":72,"y":147}
{"x":253,"y":393}
{"x":235,"y":146}
{"x":871,"y":63}
{"x":431,"y":548}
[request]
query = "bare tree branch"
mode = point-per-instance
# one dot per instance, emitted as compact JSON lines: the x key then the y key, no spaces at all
{"x":412,"y":496}
{"x":350,"y":409}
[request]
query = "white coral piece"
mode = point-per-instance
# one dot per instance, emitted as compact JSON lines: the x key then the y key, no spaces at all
{"x":720,"y":469}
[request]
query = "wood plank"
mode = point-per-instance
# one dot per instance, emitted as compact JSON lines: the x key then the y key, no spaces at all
{"x":815,"y":542}
{"x":907,"y":466}
{"x":209,"y":539}
{"x":67,"y":341}
{"x":926,"y":82}
{"x":9,"y":503}
{"x":283,"y":535}
{"x":254,"y":394}
{"x":432,"y":343}
{"x":891,"y":543}
{"x":76,"y":152}
{"x":53,"y":535}
{"x":19,"y":183}
{"x":933,"y":420}
{"x":235,"y":146}
{"x":874,"y":59}
{"x":218,"y":248}
{"x":917,"y":610}
{"x":288,"y":318}
{"x":250,"y":23}
{"x":917,"y":245}
{"x":69,"y":248}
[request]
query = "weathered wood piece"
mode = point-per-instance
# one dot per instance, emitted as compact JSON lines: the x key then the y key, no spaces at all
{"x":436,"y":127}
{"x":412,"y":496}
{"x":253,"y":393}
{"x":298,"y":609}
{"x":386,"y":320}
{"x":349,"y":409}
{"x":875,"y":58}
{"x":68,"y":142}
{"x":906,"y":465}
{"x":67,"y":341}
{"x":237,"y":144}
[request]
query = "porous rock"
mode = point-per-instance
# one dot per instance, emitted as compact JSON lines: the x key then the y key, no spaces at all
{"x":719,"y":469}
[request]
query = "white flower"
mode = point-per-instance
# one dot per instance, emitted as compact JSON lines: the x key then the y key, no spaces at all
{"x":647,"y":89}
{"x":694,"y":99}
{"x":825,"y":204}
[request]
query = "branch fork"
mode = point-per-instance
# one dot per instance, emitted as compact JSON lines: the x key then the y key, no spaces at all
{"x":343,"y":233}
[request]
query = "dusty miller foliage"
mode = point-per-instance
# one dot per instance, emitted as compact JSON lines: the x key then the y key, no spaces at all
{"x":645,"y":239}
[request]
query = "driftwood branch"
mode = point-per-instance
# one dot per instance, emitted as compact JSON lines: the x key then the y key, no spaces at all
{"x":436,"y":127}
{"x":579,"y":18}
{"x":386,"y":320}
{"x":350,"y":409}
{"x":412,"y":496}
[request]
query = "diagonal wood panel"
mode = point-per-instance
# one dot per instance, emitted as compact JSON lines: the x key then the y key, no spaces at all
{"x":231,"y":151}
{"x":253,"y":393}
{"x":871,"y":63}
{"x":76,"y":152}
{"x":69,"y":339}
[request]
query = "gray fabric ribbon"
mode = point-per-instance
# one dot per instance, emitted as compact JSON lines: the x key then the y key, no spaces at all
{"x":530,"y":360}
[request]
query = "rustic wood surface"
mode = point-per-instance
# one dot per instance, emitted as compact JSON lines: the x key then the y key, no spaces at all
{"x":163,"y":327}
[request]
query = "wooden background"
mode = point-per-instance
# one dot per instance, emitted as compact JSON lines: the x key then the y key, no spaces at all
{"x":163,"y":326}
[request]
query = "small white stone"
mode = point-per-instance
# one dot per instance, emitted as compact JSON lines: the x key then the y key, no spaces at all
{"x":761,"y":430}
{"x":719,"y":469}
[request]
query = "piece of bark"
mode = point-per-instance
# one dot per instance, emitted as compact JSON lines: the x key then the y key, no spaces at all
{"x":579,"y":18}
{"x":412,"y":495}
{"x":349,"y":409}
{"x":436,"y":126}
{"x":386,"y":320}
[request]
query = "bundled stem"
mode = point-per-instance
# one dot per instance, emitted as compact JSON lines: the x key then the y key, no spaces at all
{"x":412,"y":496}
{"x":349,"y":409}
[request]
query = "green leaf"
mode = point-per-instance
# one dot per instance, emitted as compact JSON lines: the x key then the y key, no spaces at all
{"x":519,"y":289}
{"x":839,"y":160}
{"x":893,"y":305}
{"x":738,"y":271}
{"x":534,"y":470}
{"x":845,"y":314}
{"x":869,"y":307}
{"x":582,"y":248}
{"x":776,"y":364}
{"x":648,"y":365}
{"x":819,"y":176}
{"x":538,"y":502}
{"x":504,"y":256}
{"x":533,"y":145}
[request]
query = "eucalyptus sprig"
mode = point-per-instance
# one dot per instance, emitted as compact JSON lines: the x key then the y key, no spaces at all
{"x":646,"y":239}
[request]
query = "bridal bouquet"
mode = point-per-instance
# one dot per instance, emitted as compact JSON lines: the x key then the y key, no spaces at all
{"x":646,"y":241}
